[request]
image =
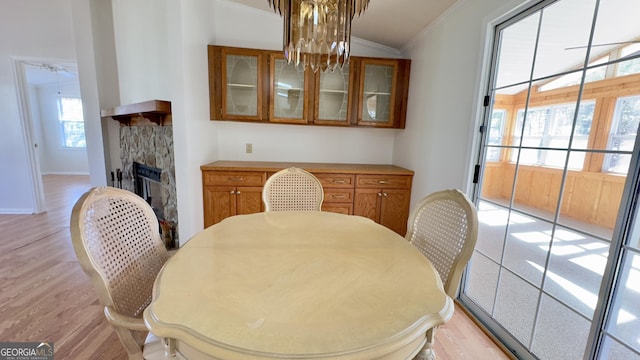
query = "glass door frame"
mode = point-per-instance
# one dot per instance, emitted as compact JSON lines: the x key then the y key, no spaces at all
{"x":628,"y":209}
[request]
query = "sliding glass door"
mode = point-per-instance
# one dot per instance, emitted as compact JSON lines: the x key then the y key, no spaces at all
{"x":550,"y":275}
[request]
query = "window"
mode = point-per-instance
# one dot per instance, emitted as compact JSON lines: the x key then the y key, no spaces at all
{"x":595,"y":73}
{"x":550,"y":127}
{"x":496,"y":131}
{"x":623,"y":134}
{"x":71,"y":122}
{"x":630,"y":66}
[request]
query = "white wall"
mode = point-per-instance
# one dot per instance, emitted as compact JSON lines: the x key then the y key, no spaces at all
{"x":54,"y":158}
{"x":169,"y":39}
{"x":237,"y":25}
{"x":448,"y":62}
{"x":30,"y":29}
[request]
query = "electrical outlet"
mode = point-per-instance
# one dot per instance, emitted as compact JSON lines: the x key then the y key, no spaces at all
{"x":248,"y":148}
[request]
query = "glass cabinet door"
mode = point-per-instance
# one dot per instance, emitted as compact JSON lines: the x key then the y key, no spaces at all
{"x":333,"y":90}
{"x":289,"y":95}
{"x":377,"y":92}
{"x":237,"y":92}
{"x":242,"y":85}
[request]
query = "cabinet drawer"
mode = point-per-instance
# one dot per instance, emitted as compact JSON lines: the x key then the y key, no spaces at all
{"x":340,"y":208}
{"x":338,"y":195}
{"x":336,"y":180}
{"x":233,"y":178}
{"x":383,"y":182}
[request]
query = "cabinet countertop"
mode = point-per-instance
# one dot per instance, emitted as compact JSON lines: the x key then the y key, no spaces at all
{"x":376,"y":169}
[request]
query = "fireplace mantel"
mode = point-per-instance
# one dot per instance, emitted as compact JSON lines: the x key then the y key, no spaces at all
{"x":150,"y":112}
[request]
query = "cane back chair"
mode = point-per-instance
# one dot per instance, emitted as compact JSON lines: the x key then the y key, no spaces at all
{"x":292,"y":189}
{"x":116,"y":239}
{"x":444,"y":227}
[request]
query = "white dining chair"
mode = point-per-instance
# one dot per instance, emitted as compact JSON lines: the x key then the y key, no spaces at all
{"x":444,"y":227}
{"x":292,"y":189}
{"x":116,"y":238}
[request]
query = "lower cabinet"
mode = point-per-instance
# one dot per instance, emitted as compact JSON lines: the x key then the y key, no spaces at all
{"x":384,"y":199}
{"x":231,"y":193}
{"x":379,"y":192}
{"x":388,"y":207}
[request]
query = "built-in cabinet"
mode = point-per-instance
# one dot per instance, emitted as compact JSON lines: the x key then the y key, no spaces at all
{"x":238,"y":80}
{"x":259,"y":85}
{"x":383,"y":198}
{"x":228,"y":193}
{"x":379,"y":192}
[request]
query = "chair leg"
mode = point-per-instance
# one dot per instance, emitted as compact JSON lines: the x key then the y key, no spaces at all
{"x":427,"y":352}
{"x":169,"y":347}
{"x":130,"y":342}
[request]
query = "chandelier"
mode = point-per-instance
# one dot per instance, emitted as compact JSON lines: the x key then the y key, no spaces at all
{"x":317,"y":33}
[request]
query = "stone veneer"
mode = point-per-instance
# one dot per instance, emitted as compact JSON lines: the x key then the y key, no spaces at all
{"x":152,"y":146}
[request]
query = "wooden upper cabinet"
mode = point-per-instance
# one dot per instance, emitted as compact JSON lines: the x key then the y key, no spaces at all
{"x":238,"y":84}
{"x":290,"y":95}
{"x":259,"y":85}
{"x":383,"y":88}
{"x":333,"y":97}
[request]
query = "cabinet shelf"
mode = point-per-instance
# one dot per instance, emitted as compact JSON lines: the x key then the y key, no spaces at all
{"x":288,"y":88}
{"x":376,"y":93}
{"x":244,"y":86}
{"x":329,"y":91}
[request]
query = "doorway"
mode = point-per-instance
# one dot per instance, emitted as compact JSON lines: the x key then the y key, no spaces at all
{"x":52,"y":120}
{"x":559,"y":133}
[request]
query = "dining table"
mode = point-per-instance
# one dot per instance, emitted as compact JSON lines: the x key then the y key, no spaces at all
{"x":297,"y":285}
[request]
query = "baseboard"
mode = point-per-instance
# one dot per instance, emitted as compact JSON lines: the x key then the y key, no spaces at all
{"x":65,"y":173}
{"x":16,"y":212}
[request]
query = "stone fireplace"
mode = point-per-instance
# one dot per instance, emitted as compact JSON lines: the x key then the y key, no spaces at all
{"x":150,"y":149}
{"x":146,"y":153}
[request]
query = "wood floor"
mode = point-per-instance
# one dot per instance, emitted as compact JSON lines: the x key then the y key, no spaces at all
{"x":45,"y":296}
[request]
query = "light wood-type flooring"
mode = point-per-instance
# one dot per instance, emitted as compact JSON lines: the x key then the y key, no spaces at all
{"x":45,"y":296}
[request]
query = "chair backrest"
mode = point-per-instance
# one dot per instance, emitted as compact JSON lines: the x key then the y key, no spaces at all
{"x":444,"y":227}
{"x":116,"y":239}
{"x":292,"y":189}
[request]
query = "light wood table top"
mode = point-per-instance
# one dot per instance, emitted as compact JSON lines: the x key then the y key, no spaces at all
{"x":313,"y":285}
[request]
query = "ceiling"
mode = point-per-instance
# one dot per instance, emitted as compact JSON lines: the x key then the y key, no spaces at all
{"x":43,"y":73}
{"x":392,"y":23}
{"x":385,"y":22}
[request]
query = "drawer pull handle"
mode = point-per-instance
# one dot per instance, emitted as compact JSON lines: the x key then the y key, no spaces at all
{"x":380,"y":194}
{"x":341,"y":196}
{"x":385,"y":194}
{"x":336,"y":181}
{"x":383,"y":182}
{"x":236,"y":178}
{"x":238,"y":192}
{"x":232,"y":192}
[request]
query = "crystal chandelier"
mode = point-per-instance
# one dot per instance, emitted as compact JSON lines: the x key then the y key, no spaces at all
{"x":317,"y":32}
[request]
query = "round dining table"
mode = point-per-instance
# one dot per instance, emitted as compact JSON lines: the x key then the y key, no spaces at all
{"x":297,"y":285}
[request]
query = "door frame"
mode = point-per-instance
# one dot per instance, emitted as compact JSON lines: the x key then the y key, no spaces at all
{"x":28,"y":127}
